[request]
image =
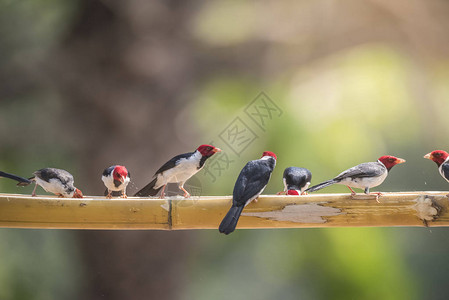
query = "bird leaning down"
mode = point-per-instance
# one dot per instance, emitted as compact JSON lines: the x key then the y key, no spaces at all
{"x":56,"y":181}
{"x":178,"y":170}
{"x":441,"y":158}
{"x":296,"y":181}
{"x":250,"y":184}
{"x":15,"y":177}
{"x":363,"y":176}
{"x":116,"y":179}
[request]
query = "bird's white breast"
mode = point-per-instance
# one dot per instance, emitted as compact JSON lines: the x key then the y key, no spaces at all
{"x":53,"y":186}
{"x":109,"y":183}
{"x":364,"y":182}
{"x":186,"y":168}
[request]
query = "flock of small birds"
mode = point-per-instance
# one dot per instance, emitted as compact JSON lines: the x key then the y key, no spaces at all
{"x":250,"y":183}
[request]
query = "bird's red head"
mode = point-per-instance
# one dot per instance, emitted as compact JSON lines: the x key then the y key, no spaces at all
{"x":120,"y":173}
{"x":293,"y":192}
{"x":208,"y":150}
{"x":269,"y":153}
{"x":77,"y":194}
{"x":438,"y":156}
{"x":390,"y":161}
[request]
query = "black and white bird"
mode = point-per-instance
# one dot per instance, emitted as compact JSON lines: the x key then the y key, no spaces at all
{"x":15,"y":177}
{"x":296,"y":180}
{"x":250,"y":184}
{"x":178,"y":170}
{"x":363,"y":176}
{"x":56,"y":181}
{"x":116,"y":179}
{"x":441,"y":158}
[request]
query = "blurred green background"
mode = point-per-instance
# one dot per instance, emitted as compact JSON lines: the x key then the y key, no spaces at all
{"x":86,"y":84}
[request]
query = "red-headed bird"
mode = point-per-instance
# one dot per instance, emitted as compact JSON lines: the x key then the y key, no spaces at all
{"x":178,"y":170}
{"x":116,"y":179}
{"x":296,"y":180}
{"x":441,"y":158}
{"x":56,"y":181}
{"x":363,"y":176}
{"x":250,"y":184}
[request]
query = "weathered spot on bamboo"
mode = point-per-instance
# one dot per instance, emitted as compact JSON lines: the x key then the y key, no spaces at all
{"x":298,"y":213}
{"x":166,"y":206}
{"x":426,"y":209}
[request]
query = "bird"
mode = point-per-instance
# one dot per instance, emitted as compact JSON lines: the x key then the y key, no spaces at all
{"x":178,"y":170}
{"x":296,"y":181}
{"x":115,"y":178}
{"x":441,"y":158}
{"x":363,"y":176}
{"x":251,"y":182}
{"x":56,"y":181}
{"x":14,"y":177}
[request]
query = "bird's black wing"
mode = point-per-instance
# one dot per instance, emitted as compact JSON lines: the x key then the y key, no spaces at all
{"x":52,"y":173}
{"x":173,"y":162}
{"x":445,"y":171}
{"x":252,"y":179}
{"x":108,"y":171}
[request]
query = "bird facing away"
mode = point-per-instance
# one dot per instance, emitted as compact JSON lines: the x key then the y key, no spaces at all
{"x":250,"y":183}
{"x":116,"y":179}
{"x":19,"y":179}
{"x":178,"y":170}
{"x":363,"y":176}
{"x":56,"y":181}
{"x":441,"y":158}
{"x":296,"y":180}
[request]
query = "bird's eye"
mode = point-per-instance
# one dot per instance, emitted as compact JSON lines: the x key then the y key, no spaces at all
{"x":437,"y":154}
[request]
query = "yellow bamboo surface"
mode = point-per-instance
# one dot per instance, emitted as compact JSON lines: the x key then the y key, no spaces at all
{"x":271,"y":211}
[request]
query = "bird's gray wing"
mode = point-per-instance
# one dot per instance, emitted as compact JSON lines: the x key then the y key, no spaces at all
{"x":370,"y":169}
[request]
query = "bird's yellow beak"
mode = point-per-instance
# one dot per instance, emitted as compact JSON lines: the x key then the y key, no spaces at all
{"x":428,"y":156}
{"x":400,"y":161}
{"x":216,"y":150}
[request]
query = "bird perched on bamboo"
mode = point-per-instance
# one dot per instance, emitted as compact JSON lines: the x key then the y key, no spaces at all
{"x":14,"y":177}
{"x":178,"y":170}
{"x":296,"y":181}
{"x":441,"y":158}
{"x":363,"y":176}
{"x":56,"y":181}
{"x":250,"y":184}
{"x":116,"y":179}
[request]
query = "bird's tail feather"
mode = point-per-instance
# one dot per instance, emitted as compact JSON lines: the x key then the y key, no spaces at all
{"x":230,"y":220}
{"x":148,"y":190}
{"x":22,"y":181}
{"x":321,"y":185}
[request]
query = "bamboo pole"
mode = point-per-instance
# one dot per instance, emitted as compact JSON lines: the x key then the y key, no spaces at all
{"x":271,"y":211}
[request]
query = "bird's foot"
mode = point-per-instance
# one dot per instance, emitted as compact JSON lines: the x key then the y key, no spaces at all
{"x":60,"y":196}
{"x":304,"y":193}
{"x":281,"y":193}
{"x":162,"y":196}
{"x":109,"y":195}
{"x":33,"y":195}
{"x":378,"y":194}
{"x":186,"y":195}
{"x":124,"y":196}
